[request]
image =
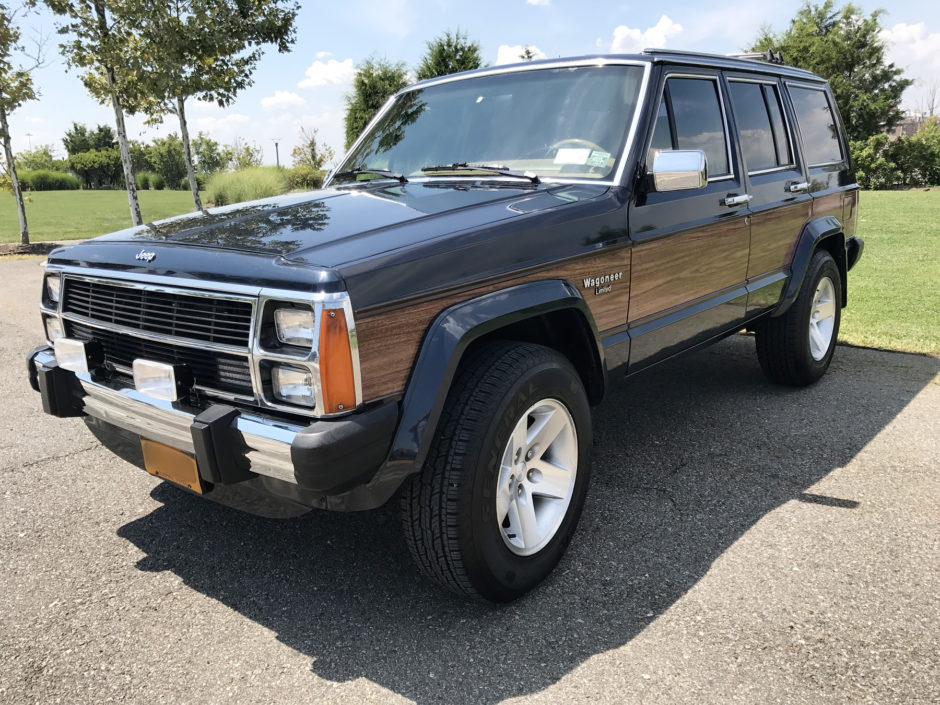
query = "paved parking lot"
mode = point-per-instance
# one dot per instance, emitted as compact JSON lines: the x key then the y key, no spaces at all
{"x":741,"y":543}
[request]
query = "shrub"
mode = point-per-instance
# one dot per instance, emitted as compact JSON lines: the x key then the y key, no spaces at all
{"x":200,"y":182}
{"x":157,"y":182}
{"x":249,"y":184}
{"x":302,"y":178}
{"x":143,"y":180}
{"x":46,"y":180}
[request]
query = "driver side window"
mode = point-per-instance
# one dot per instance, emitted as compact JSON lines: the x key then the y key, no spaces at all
{"x":690,"y":116}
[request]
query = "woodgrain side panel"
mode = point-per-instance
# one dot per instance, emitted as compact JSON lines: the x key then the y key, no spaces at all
{"x":675,"y":270}
{"x":773,"y":237}
{"x":389,"y":341}
{"x":830,"y":204}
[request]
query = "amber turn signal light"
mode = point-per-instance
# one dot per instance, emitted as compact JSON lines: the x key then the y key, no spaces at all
{"x":337,"y":381}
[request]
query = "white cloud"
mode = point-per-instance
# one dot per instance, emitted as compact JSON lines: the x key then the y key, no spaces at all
{"x":322,"y":73}
{"x":629,"y":41}
{"x":282,"y":100}
{"x":543,"y":3}
{"x":507,"y":54}
{"x":223,"y":129}
{"x":915,"y":49}
{"x":324,"y":54}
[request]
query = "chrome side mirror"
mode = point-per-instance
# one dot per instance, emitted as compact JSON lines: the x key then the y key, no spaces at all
{"x":679,"y":169}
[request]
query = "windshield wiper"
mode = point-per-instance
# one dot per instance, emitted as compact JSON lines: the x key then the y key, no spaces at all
{"x":485,"y":168}
{"x":400,"y":178}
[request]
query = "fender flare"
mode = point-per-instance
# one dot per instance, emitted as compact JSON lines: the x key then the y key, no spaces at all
{"x":812,"y":234}
{"x":443,"y":348}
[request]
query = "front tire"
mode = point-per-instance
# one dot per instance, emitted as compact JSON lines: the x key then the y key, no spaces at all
{"x":796,"y":348}
{"x":501,"y":491}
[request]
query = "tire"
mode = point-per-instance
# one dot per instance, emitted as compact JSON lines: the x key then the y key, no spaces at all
{"x":452,"y":510}
{"x":796,"y":348}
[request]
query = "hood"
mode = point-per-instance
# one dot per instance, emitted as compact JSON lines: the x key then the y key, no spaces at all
{"x":331,"y":227}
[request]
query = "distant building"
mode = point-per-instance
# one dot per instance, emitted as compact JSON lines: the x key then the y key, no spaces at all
{"x":909,"y":125}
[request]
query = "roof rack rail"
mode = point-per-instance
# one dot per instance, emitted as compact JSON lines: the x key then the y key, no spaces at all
{"x":770,"y":56}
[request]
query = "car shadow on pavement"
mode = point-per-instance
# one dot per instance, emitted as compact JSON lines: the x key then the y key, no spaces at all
{"x":687,"y":459}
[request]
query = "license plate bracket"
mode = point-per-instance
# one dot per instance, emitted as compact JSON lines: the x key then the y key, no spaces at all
{"x":171,"y":464}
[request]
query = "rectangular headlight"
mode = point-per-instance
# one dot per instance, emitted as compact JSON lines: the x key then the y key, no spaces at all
{"x":293,"y":385}
{"x":294,"y":326}
{"x":53,"y":287}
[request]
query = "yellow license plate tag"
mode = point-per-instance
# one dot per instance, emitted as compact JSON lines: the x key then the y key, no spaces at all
{"x":171,"y":464}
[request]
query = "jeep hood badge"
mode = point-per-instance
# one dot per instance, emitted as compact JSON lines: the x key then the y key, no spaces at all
{"x":146,"y":256}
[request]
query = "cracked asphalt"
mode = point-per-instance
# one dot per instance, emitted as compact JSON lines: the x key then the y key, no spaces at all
{"x":742,"y":543}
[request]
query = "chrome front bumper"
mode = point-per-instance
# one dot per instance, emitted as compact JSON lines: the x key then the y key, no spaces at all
{"x":266,"y":444}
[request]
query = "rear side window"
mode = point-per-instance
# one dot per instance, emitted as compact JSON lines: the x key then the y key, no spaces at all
{"x":761,"y":128}
{"x":690,"y":117}
{"x":817,"y":125}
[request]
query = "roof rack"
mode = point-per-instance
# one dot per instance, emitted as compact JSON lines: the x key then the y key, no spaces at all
{"x":770,"y":56}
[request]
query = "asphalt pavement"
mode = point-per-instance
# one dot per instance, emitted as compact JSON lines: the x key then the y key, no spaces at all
{"x":741,"y":543}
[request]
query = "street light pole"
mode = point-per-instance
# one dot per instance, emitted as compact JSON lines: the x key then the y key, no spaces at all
{"x":277,"y":154}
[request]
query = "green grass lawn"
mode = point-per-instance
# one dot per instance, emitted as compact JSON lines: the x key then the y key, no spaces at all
{"x":69,"y":215}
{"x":894,"y":290}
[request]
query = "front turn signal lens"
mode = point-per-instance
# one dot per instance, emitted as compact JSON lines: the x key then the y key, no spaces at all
{"x":337,"y":379}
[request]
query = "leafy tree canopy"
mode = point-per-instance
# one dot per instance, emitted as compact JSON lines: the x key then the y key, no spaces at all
{"x":39,"y":158}
{"x":80,"y":138}
{"x":375,"y":81}
{"x":449,"y":53}
{"x":844,"y":47}
{"x":209,"y":156}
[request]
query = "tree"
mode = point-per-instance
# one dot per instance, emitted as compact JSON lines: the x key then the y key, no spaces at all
{"x":16,"y":88}
{"x":245,"y":154}
{"x":527,"y":54}
{"x":98,"y":168}
{"x":449,"y":53}
{"x":80,"y":139}
{"x":166,"y":156}
{"x":101,"y":44}
{"x":375,"y":81}
{"x":39,"y":158}
{"x":209,"y":156}
{"x":206,"y":49}
{"x":308,"y":154}
{"x":844,"y":47}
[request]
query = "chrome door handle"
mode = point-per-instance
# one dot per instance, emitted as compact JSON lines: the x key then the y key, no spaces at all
{"x":741,"y":200}
{"x":798,"y":187}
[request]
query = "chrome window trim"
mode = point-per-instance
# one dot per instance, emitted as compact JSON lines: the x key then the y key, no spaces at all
{"x":822,"y":89}
{"x":786,"y":123}
{"x":716,"y":78}
{"x":516,"y":68}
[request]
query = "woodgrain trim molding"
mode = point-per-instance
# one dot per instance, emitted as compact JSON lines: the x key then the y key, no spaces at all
{"x":389,"y":340}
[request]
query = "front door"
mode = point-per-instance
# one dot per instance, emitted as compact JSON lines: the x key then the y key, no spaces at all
{"x":690,"y":247}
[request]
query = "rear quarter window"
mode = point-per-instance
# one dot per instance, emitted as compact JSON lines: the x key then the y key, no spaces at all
{"x":760,"y":124}
{"x":817,"y":123}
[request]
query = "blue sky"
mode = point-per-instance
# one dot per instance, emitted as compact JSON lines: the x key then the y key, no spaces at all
{"x":306,"y":87}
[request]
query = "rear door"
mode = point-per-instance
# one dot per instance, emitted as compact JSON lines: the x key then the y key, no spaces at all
{"x":690,"y":247}
{"x":780,"y":203}
{"x":824,"y":149}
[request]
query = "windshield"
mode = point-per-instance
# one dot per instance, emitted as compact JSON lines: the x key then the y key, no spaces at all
{"x":555,"y":123}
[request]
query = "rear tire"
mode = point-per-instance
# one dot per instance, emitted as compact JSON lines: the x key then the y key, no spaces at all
{"x":501,"y":491}
{"x":796,"y":348}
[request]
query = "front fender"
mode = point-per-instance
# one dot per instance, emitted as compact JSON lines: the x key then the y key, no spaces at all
{"x":446,"y":341}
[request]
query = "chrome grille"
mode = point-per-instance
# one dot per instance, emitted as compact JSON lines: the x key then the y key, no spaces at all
{"x":205,"y":319}
{"x":211,"y":370}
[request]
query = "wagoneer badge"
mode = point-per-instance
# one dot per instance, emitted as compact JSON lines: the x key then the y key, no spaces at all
{"x":146,"y":256}
{"x":602,"y":283}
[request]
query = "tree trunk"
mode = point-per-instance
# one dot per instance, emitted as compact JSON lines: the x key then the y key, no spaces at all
{"x":11,"y":168}
{"x":187,"y":152}
{"x":119,"y":124}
